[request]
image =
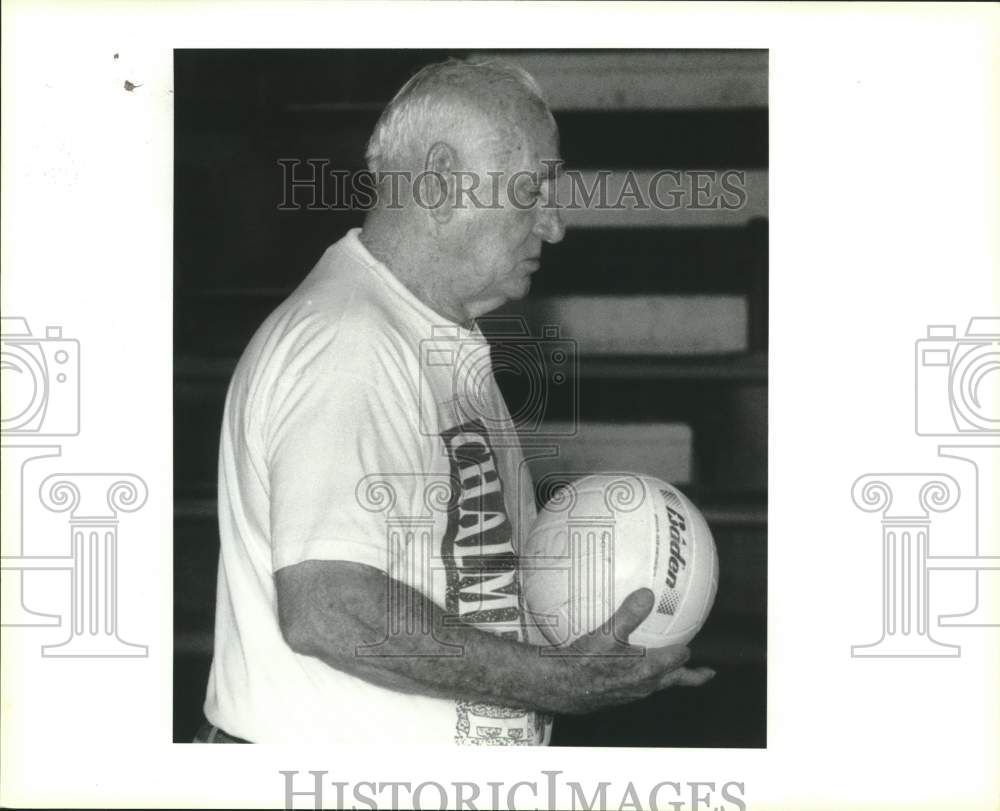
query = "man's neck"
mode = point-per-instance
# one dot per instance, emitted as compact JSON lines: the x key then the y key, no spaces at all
{"x":407,"y":263}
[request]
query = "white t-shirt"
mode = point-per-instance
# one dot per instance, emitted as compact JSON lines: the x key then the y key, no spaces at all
{"x":361,"y":426}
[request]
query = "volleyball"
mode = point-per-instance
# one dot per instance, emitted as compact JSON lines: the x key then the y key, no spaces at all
{"x":600,"y":538}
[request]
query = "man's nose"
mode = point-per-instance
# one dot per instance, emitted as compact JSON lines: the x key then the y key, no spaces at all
{"x":549,"y":225}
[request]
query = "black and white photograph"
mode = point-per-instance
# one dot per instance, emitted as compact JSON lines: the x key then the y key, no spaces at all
{"x":499,"y":405}
{"x":503,"y":280}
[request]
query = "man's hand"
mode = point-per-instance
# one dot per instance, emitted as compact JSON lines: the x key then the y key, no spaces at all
{"x":613,"y":672}
{"x":336,"y":611}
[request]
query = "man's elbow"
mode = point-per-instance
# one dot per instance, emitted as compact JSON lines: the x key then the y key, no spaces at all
{"x":309,"y":631}
{"x":298,"y":630}
{"x":314,"y":617}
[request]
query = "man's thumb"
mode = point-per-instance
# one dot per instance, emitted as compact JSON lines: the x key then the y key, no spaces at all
{"x":630,"y":614}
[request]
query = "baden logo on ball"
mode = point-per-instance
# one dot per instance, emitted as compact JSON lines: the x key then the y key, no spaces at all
{"x":600,"y":538}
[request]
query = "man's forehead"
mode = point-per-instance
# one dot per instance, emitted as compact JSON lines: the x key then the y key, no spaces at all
{"x":532,"y":147}
{"x":516,"y":135}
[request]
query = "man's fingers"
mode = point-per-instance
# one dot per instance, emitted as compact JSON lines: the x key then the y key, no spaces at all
{"x":630,"y":614}
{"x":688,"y":677}
{"x":669,"y":659}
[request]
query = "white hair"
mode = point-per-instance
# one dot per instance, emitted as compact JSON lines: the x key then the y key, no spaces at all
{"x":426,"y":105}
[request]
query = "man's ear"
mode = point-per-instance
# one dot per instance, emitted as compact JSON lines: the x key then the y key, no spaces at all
{"x":437,"y":184}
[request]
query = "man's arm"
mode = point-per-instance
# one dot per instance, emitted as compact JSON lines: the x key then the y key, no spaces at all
{"x":330,"y":609}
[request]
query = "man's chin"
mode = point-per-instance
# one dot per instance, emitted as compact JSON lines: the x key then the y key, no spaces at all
{"x":514,"y":292}
{"x":519,"y":289}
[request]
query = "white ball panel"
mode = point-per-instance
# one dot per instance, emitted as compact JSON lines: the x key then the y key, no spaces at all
{"x":568,"y":558}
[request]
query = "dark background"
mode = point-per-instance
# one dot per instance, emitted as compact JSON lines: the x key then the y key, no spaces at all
{"x":236,"y":255}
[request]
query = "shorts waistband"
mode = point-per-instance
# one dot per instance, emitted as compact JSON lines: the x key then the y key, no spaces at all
{"x":209,"y":733}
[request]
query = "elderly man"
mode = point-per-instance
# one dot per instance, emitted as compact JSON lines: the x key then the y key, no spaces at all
{"x":325,"y":631}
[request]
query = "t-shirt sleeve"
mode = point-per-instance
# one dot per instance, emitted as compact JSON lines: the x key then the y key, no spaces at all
{"x":333,"y":435}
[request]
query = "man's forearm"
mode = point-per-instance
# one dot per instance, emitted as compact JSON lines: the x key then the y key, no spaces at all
{"x":409,"y":644}
{"x":341,"y":613}
{"x":452,"y":660}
